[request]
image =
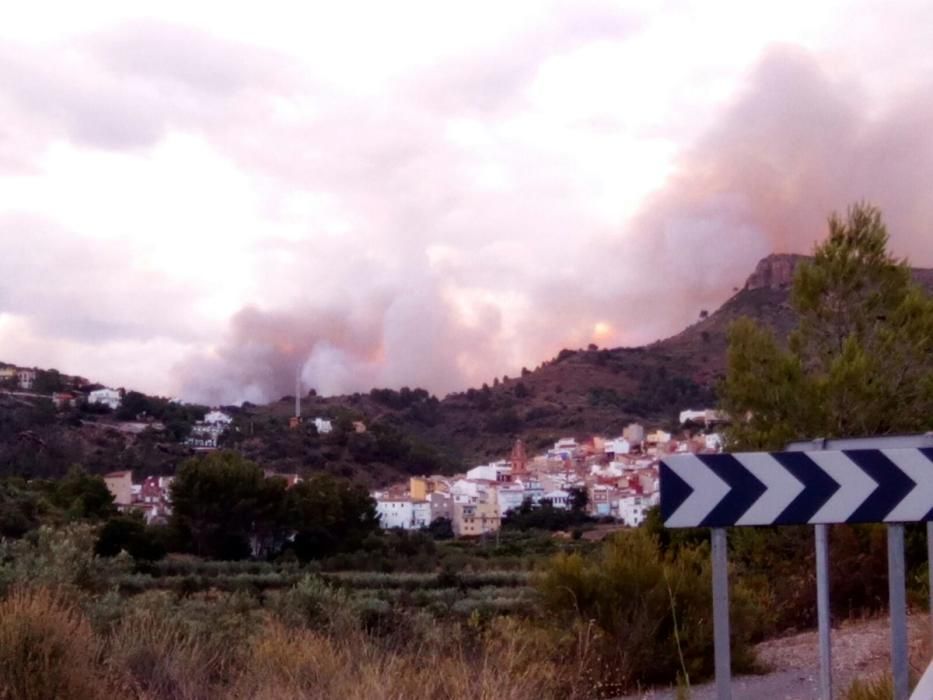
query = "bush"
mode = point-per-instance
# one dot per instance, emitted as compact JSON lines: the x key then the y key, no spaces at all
{"x":47,"y":649}
{"x":130,"y":534}
{"x":57,"y":558}
{"x":652,"y":611}
{"x":315,"y":604}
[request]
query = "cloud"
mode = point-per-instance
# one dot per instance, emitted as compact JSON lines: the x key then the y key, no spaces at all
{"x":126,"y":87}
{"x":795,"y":145}
{"x":85,"y":290}
{"x":439,"y":229}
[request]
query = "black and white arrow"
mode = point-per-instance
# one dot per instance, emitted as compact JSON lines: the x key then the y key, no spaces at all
{"x":760,"y":488}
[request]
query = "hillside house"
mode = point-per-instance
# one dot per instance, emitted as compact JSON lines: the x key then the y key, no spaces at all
{"x":564,"y":449}
{"x":323,"y":426}
{"x":216,"y":417}
{"x":476,"y":519}
{"x":64,"y":399}
{"x":634,"y":433}
{"x":395,"y":512}
{"x":25,"y":378}
{"x":105,"y":397}
{"x":558,"y":498}
{"x":441,"y":505}
{"x":154,"y":499}
{"x":532,"y":489}
{"x":509,"y":497}
{"x":617,"y":447}
{"x":599,"y":500}
{"x":713,"y":442}
{"x":120,"y":484}
{"x":631,"y":508}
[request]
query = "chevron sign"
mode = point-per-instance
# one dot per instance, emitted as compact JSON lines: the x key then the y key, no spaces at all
{"x":795,"y":488}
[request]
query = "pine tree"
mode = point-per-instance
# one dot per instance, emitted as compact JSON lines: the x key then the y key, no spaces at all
{"x":860,"y":362}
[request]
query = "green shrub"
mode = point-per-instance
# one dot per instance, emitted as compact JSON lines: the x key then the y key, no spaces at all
{"x":653,"y":611}
{"x":314,"y":604}
{"x":57,"y":557}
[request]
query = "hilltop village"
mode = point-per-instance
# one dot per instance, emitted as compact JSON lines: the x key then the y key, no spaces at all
{"x":615,"y":479}
{"x":612,"y":479}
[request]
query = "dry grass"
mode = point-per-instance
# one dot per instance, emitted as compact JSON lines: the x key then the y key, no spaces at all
{"x":285,"y":662}
{"x":47,"y":649}
{"x":159,"y":658}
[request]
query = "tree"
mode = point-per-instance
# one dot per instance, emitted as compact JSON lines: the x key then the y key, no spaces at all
{"x":19,"y":508}
{"x":217,"y":499}
{"x":48,"y":382}
{"x":329,"y":515}
{"x":129,"y":533}
{"x":579,"y":499}
{"x":82,"y":495}
{"x":860,"y":361}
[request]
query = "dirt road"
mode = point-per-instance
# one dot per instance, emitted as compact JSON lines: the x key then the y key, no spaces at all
{"x":860,"y":650}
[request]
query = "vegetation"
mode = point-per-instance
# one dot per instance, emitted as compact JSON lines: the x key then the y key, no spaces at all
{"x":228,"y":509}
{"x":273,"y":592}
{"x":861,"y":359}
{"x":650,"y":610}
{"x":860,"y":363}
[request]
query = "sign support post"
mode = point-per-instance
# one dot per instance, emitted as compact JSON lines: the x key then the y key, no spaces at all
{"x":859,"y":480}
{"x":898,"y":611}
{"x":823,"y":611}
{"x":721,"y":614}
{"x":930,"y":571}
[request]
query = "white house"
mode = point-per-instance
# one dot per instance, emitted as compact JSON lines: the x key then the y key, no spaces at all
{"x":691,"y":415}
{"x":558,"y":499}
{"x":509,"y":497}
{"x":495,"y":471}
{"x":26,"y":378}
{"x":613,"y":470}
{"x":216,"y":417}
{"x":658,"y":437}
{"x":395,"y":512}
{"x":323,"y":425}
{"x":105,"y":397}
{"x":631,"y":509}
{"x":465,"y":491}
{"x":619,"y":446}
{"x":565,"y":448}
{"x":421,"y":515}
{"x":532,"y":489}
{"x":713,"y":442}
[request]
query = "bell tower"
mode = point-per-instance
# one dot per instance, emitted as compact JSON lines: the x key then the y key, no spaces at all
{"x":519,"y":458}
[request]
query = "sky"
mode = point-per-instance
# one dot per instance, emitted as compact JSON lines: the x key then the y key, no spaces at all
{"x":202,"y":199}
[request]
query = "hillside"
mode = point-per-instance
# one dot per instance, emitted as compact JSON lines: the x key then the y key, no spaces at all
{"x":579,"y":392}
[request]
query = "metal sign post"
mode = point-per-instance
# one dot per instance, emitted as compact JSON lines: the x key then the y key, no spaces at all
{"x":821,"y":533}
{"x":721,"y":629}
{"x":930,"y":571}
{"x":898,"y":611}
{"x":884,"y":480}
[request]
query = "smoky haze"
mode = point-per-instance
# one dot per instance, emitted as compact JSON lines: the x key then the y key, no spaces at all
{"x":795,"y":145}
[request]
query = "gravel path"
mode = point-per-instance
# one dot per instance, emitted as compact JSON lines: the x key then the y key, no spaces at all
{"x":860,"y":650}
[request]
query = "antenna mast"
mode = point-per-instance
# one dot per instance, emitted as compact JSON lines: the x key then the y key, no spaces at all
{"x":298,"y":393}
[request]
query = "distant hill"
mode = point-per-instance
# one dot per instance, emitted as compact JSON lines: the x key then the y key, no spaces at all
{"x":579,"y":393}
